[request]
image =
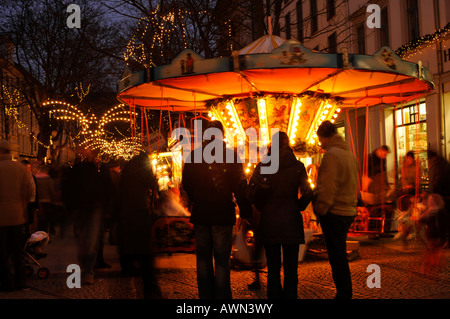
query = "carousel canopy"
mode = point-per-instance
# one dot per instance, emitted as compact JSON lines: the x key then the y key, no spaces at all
{"x":191,"y":82}
{"x":265,"y":44}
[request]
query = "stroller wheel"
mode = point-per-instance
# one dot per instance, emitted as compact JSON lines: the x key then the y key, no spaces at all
{"x":43,"y":273}
{"x":28,"y":271}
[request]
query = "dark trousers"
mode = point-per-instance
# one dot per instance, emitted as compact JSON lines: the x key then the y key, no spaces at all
{"x":12,"y":241}
{"x":146,"y":270}
{"x":290,"y":266}
{"x":90,"y":223}
{"x":335,"y":229}
{"x":213,"y":276}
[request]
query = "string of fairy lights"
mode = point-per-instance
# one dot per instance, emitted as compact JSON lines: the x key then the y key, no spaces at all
{"x":11,"y":102}
{"x":154,"y":29}
{"x":414,"y":47}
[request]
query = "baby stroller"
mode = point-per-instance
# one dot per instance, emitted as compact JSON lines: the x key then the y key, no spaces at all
{"x":33,"y":250}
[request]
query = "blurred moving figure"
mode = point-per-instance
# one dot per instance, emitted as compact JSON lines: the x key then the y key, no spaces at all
{"x":87,"y":189}
{"x":439,"y":177}
{"x":410,"y":172}
{"x":15,"y":190}
{"x":138,"y":186}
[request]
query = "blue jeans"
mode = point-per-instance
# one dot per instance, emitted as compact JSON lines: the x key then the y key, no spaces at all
{"x":213,"y":242}
{"x":335,"y":229}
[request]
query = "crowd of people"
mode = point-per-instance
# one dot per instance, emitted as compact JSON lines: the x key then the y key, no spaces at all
{"x":123,"y":198}
{"x":86,"y":198}
{"x":276,"y":197}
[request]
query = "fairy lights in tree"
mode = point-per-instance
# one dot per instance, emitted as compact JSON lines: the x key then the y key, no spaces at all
{"x":154,"y":36}
{"x":81,"y":93}
{"x":11,"y":102}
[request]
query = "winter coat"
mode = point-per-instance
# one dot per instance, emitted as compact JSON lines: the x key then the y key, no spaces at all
{"x":336,"y":190}
{"x":137,"y":187}
{"x":281,"y":220}
{"x":15,"y":190}
{"x":210,"y":189}
{"x":86,"y":187}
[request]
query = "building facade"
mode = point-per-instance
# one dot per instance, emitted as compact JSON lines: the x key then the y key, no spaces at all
{"x":418,"y":31}
{"x":18,"y":124}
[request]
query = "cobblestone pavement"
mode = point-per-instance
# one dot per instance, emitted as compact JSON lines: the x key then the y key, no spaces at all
{"x":401,"y":275}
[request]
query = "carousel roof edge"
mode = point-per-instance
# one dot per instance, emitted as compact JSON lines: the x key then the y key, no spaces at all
{"x":385,"y":59}
{"x":133,"y":79}
{"x":291,"y":54}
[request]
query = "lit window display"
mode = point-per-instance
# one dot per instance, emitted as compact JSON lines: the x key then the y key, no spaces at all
{"x":411,"y":134}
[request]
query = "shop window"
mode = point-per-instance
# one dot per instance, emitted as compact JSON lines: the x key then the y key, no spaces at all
{"x":411,"y":135}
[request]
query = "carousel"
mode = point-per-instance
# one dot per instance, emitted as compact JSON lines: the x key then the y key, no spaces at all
{"x":274,"y":83}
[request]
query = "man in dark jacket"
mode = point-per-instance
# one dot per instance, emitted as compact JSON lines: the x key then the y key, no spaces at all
{"x":281,"y":224}
{"x":210,"y":189}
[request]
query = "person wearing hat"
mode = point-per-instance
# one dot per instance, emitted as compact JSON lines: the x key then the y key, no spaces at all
{"x":335,"y":203}
{"x":15,"y":191}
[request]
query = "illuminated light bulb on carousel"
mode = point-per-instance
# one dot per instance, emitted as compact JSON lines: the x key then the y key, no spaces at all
{"x":294,"y":121}
{"x":263,"y":124}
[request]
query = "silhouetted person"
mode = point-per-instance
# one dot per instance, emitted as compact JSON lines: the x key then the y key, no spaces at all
{"x":137,"y":188}
{"x":439,"y":176}
{"x":281,"y":224}
{"x":376,"y":181}
{"x":210,"y":188}
{"x":15,"y":189}
{"x":87,"y":189}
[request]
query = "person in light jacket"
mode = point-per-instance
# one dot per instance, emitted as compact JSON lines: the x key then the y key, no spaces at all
{"x":335,"y":203}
